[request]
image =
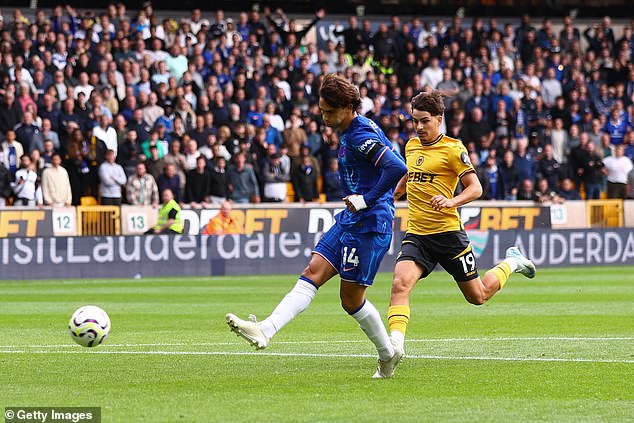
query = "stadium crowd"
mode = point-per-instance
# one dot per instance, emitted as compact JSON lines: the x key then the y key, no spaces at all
{"x":120,"y":106}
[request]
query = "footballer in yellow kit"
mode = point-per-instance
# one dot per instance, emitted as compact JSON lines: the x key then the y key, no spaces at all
{"x":435,"y":235}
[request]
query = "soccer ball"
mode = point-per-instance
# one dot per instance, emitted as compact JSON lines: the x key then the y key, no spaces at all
{"x":89,"y":326}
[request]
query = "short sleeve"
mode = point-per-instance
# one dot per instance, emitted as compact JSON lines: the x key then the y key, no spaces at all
{"x":460,"y":162}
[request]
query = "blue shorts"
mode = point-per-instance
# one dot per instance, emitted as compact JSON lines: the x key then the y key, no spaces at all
{"x":356,"y":256}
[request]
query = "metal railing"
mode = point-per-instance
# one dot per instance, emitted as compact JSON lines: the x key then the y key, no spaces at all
{"x":604,"y":213}
{"x":98,"y":220}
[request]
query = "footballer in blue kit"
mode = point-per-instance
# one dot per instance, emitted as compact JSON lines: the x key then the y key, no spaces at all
{"x":355,"y":245}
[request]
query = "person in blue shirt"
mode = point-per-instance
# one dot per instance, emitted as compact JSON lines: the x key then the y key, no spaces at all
{"x":355,"y":245}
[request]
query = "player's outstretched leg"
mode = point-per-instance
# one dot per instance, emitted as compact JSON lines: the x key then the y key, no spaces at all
{"x":259,"y":334}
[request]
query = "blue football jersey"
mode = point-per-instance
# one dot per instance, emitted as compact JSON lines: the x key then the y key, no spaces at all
{"x":362,"y":147}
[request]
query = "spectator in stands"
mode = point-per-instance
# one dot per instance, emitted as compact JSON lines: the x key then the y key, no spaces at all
{"x":567,"y":191}
{"x":592,"y":172}
{"x":219,"y":181}
{"x":169,"y":216}
{"x":276,"y":175}
{"x":198,"y":184}
{"x":476,"y":130}
{"x":178,"y":159}
{"x":526,"y":191}
{"x":56,"y":189}
{"x":154,"y":164}
{"x":495,"y":189}
{"x":169,"y":180}
{"x":525,"y":161}
{"x":332,"y":182}
{"x":559,"y":142}
{"x":12,"y":152}
{"x":549,"y":168}
{"x":10,"y":112}
{"x":545,"y":194}
{"x":305,"y":181}
{"x":112,"y":178}
{"x":509,"y":176}
{"x":47,"y":135}
{"x":152,"y":111}
{"x":243,"y":185}
{"x":617,"y":169}
{"x":294,"y":135}
{"x":25,"y":186}
{"x":223,"y":223}
{"x":106,"y":134}
{"x":28,"y":133}
{"x":141,"y":188}
{"x":191,"y":155}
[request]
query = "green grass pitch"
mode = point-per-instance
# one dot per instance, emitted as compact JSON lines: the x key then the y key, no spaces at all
{"x":555,"y":349}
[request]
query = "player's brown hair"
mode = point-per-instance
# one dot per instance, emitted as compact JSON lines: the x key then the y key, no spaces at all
{"x":429,"y":102}
{"x":338,"y":92}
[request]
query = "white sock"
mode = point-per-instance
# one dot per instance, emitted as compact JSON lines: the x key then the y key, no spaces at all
{"x":512,"y":262}
{"x":296,"y":301}
{"x":398,"y":337}
{"x":370,"y":321}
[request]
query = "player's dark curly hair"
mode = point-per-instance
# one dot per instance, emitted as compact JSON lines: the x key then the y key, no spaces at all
{"x":338,"y":92}
{"x":429,"y":102}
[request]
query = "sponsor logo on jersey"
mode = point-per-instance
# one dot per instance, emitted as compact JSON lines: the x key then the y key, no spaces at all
{"x":366,"y":146}
{"x":421,"y":177}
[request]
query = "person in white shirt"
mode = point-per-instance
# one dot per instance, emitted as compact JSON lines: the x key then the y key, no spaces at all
{"x":56,"y":185}
{"x":432,"y":74}
{"x":617,"y":168}
{"x":84,"y":86}
{"x":112,"y":178}
{"x":25,"y":185}
{"x":191,"y":155}
{"x":106,"y":133}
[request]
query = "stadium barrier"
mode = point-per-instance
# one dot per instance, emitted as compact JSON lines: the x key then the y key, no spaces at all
{"x":98,"y":220}
{"x":276,"y":253}
{"x":136,"y":220}
{"x":605,"y":213}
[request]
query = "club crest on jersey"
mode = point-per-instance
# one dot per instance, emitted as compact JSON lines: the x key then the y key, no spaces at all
{"x":342,"y":151}
{"x":419,"y":161}
{"x":465,"y":159}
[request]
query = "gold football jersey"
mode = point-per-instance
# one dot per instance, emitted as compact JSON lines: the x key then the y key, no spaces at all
{"x":434,"y":168}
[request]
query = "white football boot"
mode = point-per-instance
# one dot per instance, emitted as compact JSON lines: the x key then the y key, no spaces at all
{"x":524,"y":265}
{"x":385,"y":369}
{"x":249,"y":330}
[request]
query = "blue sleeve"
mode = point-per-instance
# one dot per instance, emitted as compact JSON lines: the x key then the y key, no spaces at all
{"x":393,"y":168}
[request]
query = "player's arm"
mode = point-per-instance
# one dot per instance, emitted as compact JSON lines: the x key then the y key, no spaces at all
{"x":472,"y":190}
{"x":401,"y":188}
{"x":393,"y":168}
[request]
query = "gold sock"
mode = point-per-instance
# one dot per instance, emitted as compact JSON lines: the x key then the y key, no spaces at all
{"x":502,"y":272}
{"x":398,"y":318}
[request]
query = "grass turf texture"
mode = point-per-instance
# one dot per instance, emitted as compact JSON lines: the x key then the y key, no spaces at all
{"x":170,"y":356}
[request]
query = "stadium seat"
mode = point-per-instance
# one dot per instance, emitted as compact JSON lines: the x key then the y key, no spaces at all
{"x":89,"y":200}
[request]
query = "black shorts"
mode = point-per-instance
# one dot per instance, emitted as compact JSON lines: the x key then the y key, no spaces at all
{"x":451,"y":249}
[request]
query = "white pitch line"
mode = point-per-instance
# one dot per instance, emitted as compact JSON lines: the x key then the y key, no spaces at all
{"x":335,"y":355}
{"x":218,"y":344}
